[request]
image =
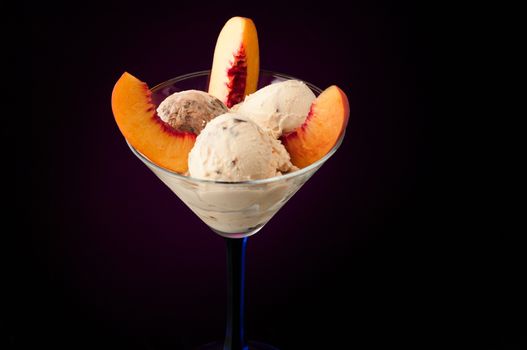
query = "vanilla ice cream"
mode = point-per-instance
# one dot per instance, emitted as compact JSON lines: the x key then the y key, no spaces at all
{"x":190,"y":110}
{"x":233,"y":148}
{"x":278,"y":108}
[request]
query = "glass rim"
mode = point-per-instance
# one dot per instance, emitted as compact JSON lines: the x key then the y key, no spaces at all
{"x":273,"y":179}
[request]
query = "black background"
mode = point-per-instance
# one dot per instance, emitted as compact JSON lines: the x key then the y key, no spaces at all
{"x":111,"y":258}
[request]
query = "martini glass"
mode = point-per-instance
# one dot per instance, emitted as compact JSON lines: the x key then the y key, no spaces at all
{"x":233,"y":210}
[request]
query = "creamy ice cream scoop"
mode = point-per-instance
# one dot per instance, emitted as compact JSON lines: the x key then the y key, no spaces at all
{"x":233,"y":148}
{"x":278,"y":108}
{"x":190,"y":110}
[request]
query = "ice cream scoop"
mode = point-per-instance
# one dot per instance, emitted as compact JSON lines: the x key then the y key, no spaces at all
{"x":278,"y":108}
{"x":190,"y":110}
{"x":233,"y":148}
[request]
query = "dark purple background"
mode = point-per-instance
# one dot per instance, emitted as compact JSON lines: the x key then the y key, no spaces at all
{"x":112,"y":257}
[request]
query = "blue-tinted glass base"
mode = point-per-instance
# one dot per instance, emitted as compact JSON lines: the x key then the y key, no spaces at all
{"x":252,"y":345}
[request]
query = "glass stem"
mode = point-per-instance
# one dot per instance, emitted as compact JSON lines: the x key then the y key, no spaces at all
{"x":234,"y":335}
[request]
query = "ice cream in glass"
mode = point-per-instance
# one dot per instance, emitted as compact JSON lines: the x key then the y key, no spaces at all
{"x":233,"y":143}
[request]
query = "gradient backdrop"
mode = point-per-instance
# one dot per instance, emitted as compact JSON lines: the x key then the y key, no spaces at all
{"x":113,"y":259}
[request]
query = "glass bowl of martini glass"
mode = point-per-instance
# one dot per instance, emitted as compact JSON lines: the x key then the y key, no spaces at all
{"x":233,"y":210}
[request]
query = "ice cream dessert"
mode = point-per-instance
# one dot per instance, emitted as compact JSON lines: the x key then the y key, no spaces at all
{"x":190,"y":110}
{"x":233,"y":148}
{"x":206,"y":153}
{"x":278,"y":108}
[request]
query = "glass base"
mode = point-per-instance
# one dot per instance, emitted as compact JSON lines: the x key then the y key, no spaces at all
{"x":252,"y":345}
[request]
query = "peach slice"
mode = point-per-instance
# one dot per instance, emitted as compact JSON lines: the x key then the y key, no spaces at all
{"x":137,"y":119}
{"x":326,"y":121}
{"x":236,"y":62}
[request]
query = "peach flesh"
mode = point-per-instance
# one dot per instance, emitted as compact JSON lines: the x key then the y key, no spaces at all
{"x":237,"y":75}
